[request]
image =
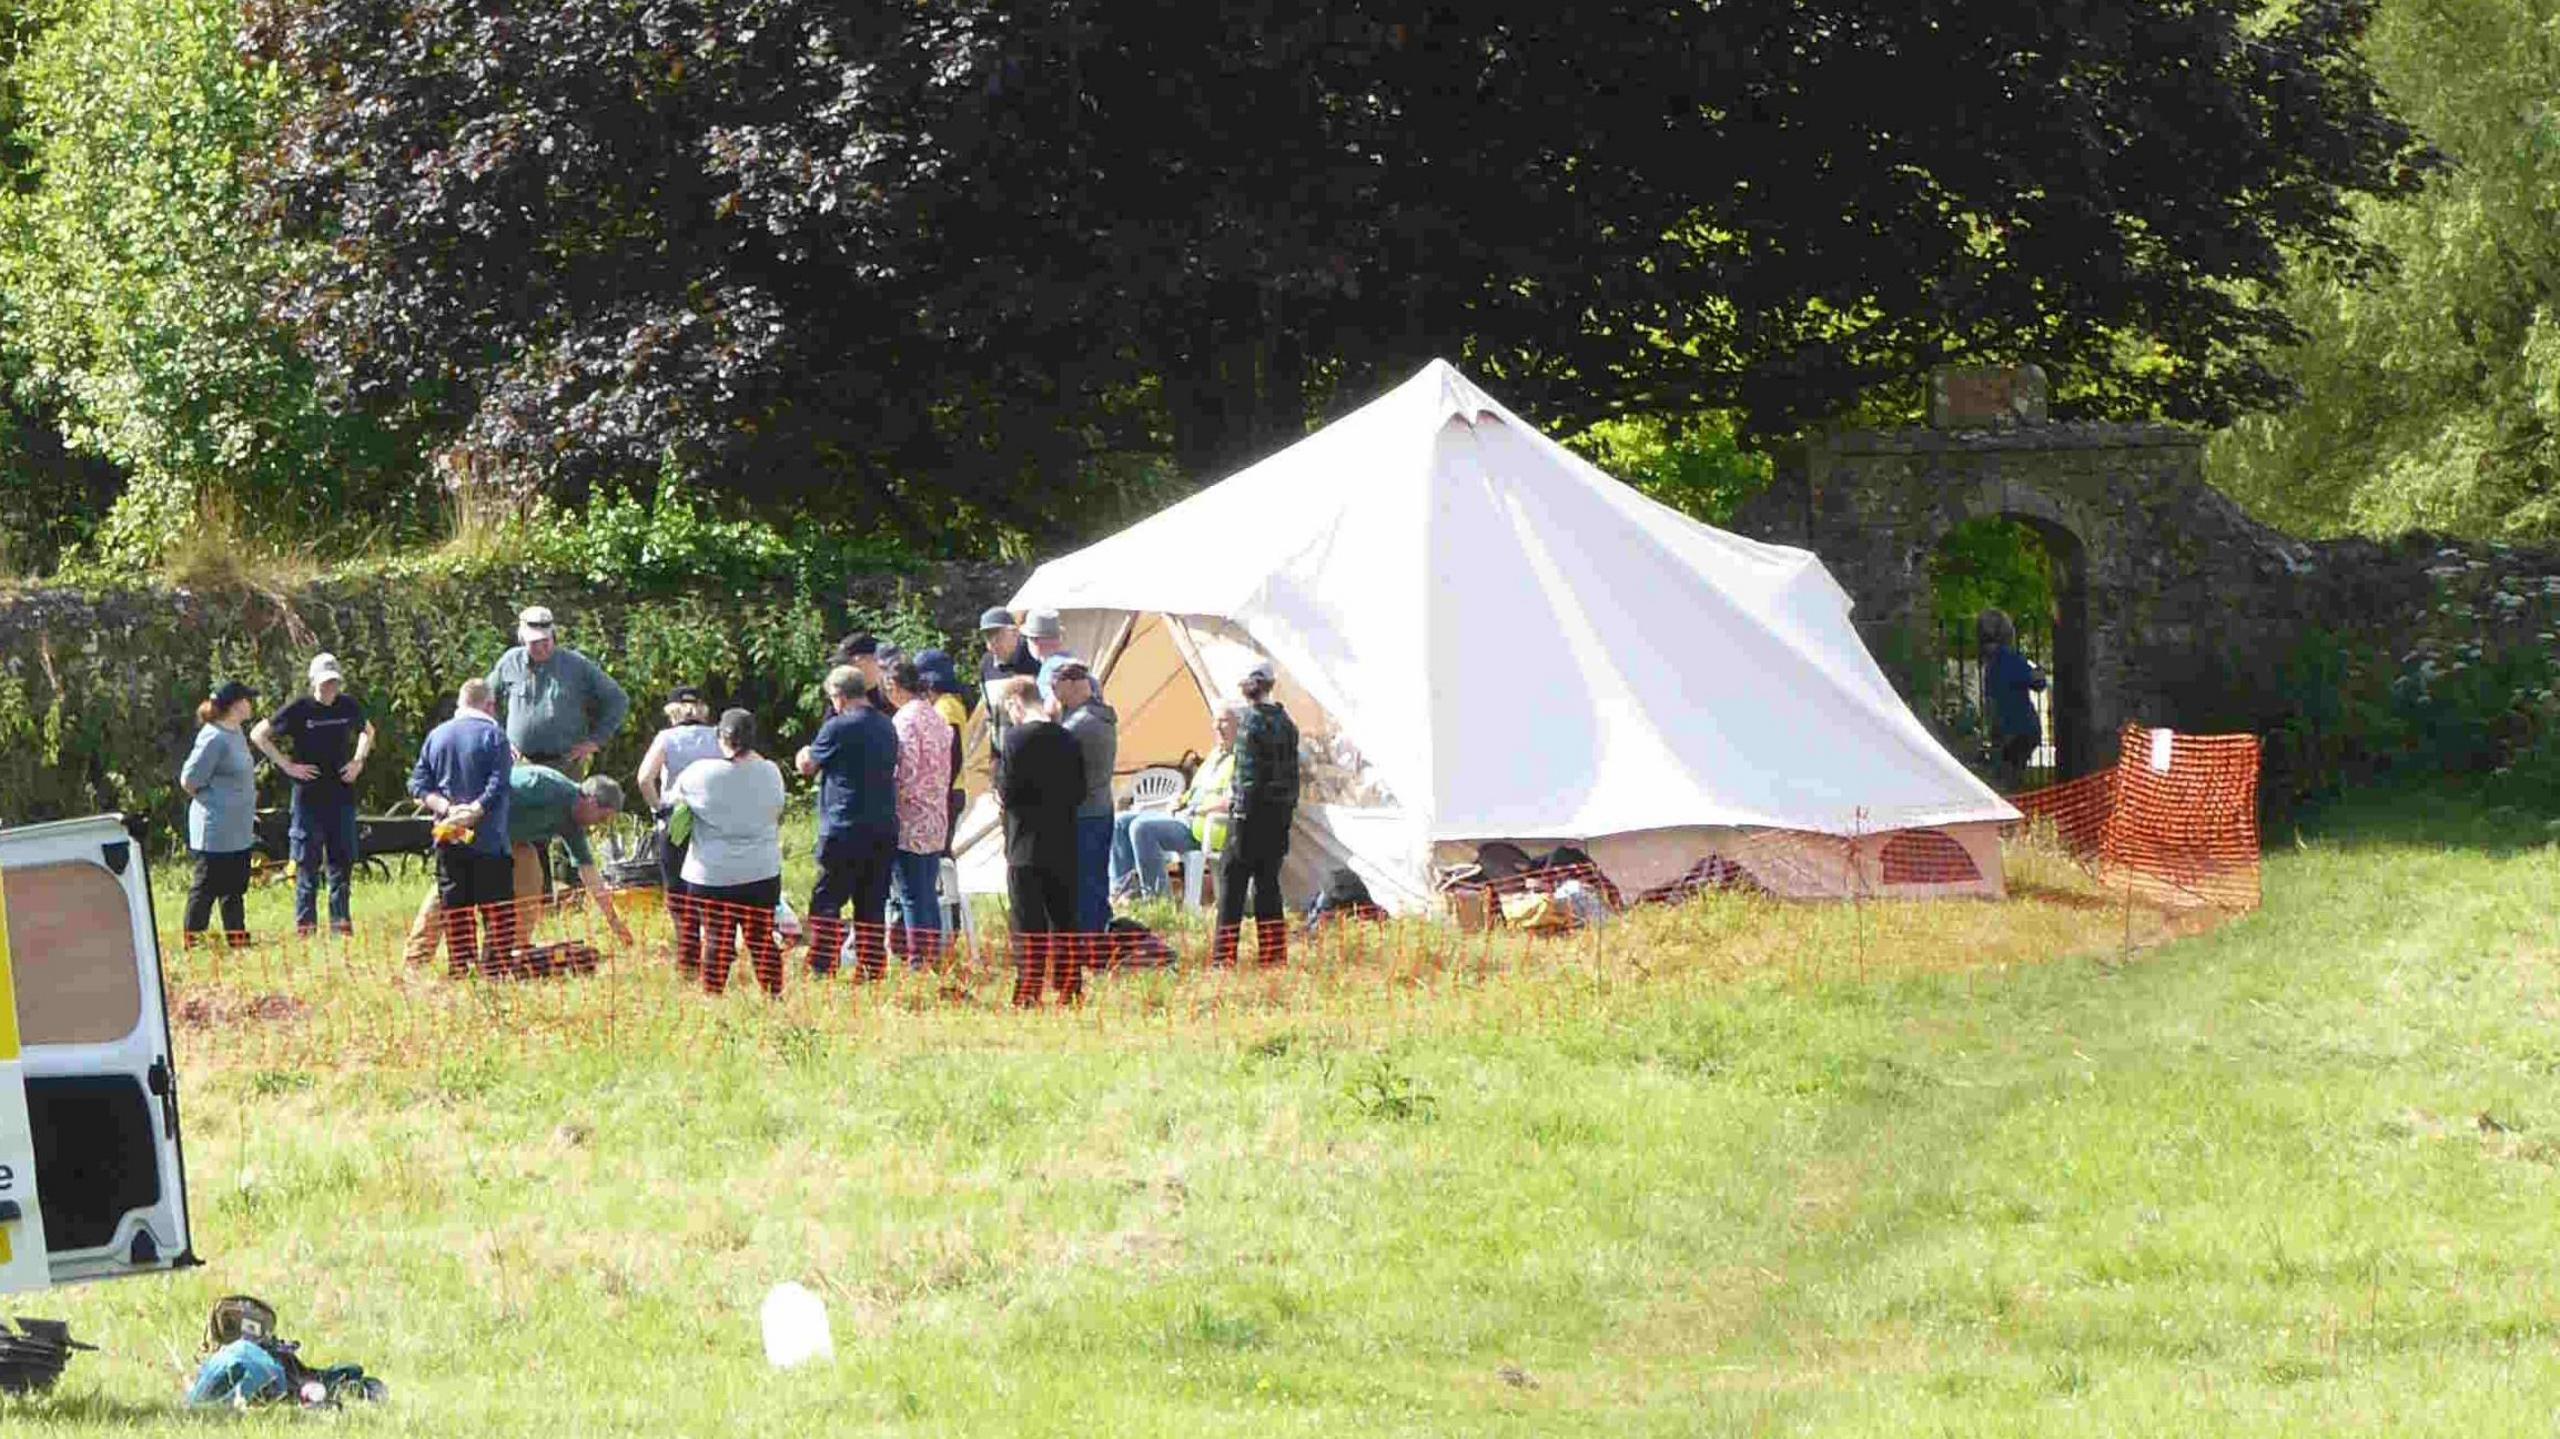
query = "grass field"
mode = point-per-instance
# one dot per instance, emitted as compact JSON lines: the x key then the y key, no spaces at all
{"x":1748,"y":1168}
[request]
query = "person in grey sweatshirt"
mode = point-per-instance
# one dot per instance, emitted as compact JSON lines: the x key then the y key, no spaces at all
{"x":559,"y":707}
{"x":1096,"y":728}
{"x":221,"y":781}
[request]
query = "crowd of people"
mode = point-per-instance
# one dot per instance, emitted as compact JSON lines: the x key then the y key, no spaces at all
{"x":505,"y":782}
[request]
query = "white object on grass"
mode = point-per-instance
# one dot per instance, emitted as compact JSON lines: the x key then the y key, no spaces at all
{"x":795,"y":1327}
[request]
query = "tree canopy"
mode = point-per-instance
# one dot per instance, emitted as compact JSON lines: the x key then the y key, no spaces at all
{"x":930,"y":267}
{"x":132,"y":282}
{"x":2431,"y":391}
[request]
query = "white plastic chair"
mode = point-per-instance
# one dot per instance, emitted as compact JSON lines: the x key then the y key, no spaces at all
{"x":954,"y":901}
{"x":1157,"y":789}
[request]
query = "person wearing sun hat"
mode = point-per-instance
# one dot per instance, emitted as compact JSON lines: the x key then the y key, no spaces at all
{"x":222,"y":812}
{"x":330,"y":741}
{"x":559,"y":706}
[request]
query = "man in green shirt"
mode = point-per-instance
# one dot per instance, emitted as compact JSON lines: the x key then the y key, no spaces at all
{"x":543,"y":805}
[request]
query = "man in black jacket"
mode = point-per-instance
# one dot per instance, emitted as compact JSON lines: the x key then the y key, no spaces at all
{"x":1041,"y":783}
{"x":1266,"y":802}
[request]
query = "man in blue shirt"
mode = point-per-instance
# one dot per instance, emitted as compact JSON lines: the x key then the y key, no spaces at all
{"x":461,"y":778}
{"x":856,"y":753}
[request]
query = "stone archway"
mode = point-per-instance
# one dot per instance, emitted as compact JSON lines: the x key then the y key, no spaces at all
{"x":2167,"y":583}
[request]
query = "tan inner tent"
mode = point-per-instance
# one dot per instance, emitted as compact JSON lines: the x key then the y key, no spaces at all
{"x":1159,"y":674}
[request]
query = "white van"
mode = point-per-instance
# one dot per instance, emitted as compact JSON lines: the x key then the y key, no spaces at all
{"x":92,"y":1184}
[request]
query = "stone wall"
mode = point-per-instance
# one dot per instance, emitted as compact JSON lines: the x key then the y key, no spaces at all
{"x":2177,"y":608}
{"x":97,"y":690}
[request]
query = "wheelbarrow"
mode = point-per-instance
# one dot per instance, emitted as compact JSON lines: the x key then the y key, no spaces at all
{"x":380,"y":838}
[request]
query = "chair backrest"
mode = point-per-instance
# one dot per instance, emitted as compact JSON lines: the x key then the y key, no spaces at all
{"x":1158,"y":788}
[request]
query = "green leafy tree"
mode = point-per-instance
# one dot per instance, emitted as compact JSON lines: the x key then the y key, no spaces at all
{"x":1692,"y":463}
{"x":909,"y":266}
{"x":133,"y":281}
{"x":2431,"y":391}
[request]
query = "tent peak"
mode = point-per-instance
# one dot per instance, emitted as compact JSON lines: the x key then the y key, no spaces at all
{"x":1458,"y":396}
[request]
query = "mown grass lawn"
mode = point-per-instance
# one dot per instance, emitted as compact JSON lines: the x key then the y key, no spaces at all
{"x":2296,"y":1176}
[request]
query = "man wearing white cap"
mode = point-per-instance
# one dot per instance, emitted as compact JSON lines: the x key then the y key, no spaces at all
{"x":330,"y":740}
{"x":559,"y":707}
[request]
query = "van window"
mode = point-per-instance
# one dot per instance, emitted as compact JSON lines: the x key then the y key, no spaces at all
{"x":71,"y":945}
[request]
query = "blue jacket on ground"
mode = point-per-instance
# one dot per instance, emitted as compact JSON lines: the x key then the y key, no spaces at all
{"x":466,"y":759}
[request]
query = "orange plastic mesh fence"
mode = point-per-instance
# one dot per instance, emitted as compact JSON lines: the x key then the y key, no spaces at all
{"x":2074,"y":812}
{"x":2174,"y":821}
{"x":2155,"y":837}
{"x":2184,"y":825}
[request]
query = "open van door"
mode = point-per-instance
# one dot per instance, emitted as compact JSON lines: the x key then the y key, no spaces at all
{"x":92,"y":1184}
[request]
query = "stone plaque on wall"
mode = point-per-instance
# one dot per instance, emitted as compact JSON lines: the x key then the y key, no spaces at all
{"x":1963,"y":397}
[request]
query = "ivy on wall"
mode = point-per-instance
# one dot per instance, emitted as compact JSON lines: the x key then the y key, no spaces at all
{"x":98,"y":691}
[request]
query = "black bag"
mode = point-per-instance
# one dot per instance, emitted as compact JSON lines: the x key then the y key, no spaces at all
{"x":1128,"y":944}
{"x":1501,"y":860}
{"x":1345,"y":896}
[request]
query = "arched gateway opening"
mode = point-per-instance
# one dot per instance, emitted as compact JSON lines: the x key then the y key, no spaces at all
{"x":2035,"y":570}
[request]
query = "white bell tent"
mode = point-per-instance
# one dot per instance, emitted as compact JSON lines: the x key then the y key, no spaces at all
{"x":1483,"y":637}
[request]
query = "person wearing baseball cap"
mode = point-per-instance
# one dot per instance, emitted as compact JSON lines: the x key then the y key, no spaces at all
{"x":1265,"y":802}
{"x":222,"y":812}
{"x":1096,"y":728}
{"x":855,"y":761}
{"x":330,"y":739}
{"x":1045,"y":635}
{"x":863,"y":652}
{"x":1006,"y":653}
{"x":559,"y":706}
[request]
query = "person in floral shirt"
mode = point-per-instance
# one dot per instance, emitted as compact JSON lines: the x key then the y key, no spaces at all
{"x":924,"y":817}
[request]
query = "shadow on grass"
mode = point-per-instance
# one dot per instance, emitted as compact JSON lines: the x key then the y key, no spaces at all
{"x":85,"y":1409}
{"x":2471,"y":812}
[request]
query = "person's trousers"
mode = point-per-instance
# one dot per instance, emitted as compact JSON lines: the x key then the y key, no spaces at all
{"x":220,"y":879}
{"x":531,"y":867}
{"x":1141,"y":842}
{"x":324,"y":837}
{"x":688,"y":925}
{"x":729,"y":911}
{"x":476,"y":893}
{"x":915,"y":905}
{"x":853,"y":868}
{"x":1251,"y":867}
{"x":1093,"y":873}
{"x":2015,"y":751}
{"x":1045,"y":955}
